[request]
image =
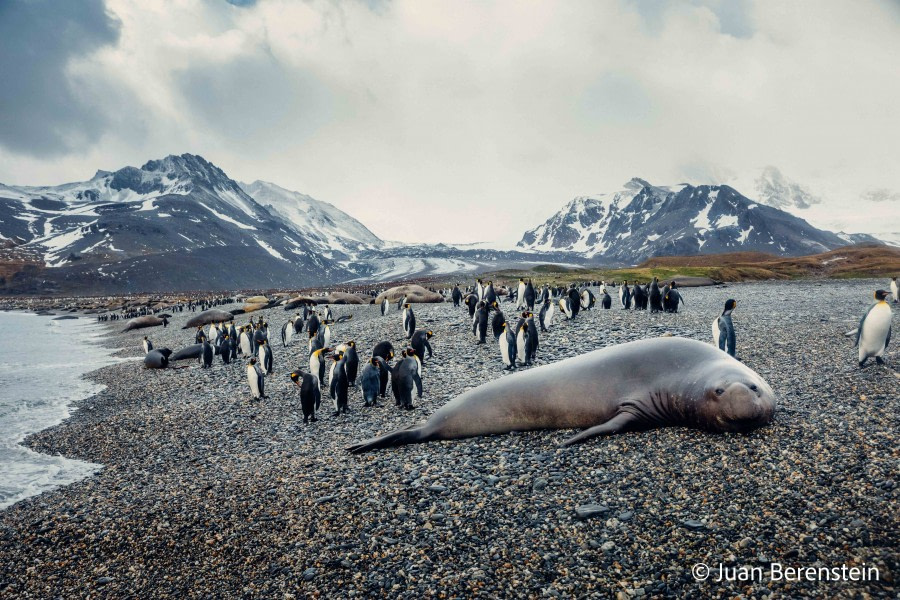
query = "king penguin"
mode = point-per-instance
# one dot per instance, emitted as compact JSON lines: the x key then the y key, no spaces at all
{"x":546,"y":315}
{"x":508,"y":347}
{"x":895,"y":292}
{"x":723,"y":328}
{"x":874,"y":333}
{"x":265,"y":357}
{"x":147,"y":344}
{"x":310,"y":396}
{"x":255,"y":380}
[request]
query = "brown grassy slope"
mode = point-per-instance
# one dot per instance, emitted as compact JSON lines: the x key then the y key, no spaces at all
{"x":849,"y":261}
{"x":843,"y":263}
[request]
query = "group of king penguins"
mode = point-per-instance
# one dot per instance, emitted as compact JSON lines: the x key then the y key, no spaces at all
{"x":518,"y":339}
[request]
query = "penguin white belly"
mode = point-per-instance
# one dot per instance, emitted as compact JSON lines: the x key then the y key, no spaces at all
{"x":548,"y":318}
{"x":289,"y":334}
{"x":520,"y":343}
{"x":314,"y":365}
{"x":327,"y":335}
{"x":146,"y":347}
{"x":419,"y":365}
{"x":245,"y":344}
{"x":253,"y":381}
{"x":715,"y":331}
{"x":520,"y":298}
{"x":895,"y":291}
{"x":261,"y":356}
{"x":504,"y":350}
{"x":875,"y":331}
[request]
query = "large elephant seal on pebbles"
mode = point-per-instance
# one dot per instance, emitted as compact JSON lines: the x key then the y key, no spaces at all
{"x":148,"y":321}
{"x":660,"y":382}
{"x":213,"y":315}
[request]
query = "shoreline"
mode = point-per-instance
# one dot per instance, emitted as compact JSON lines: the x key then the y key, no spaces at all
{"x":203,"y":492}
{"x":40,"y":405}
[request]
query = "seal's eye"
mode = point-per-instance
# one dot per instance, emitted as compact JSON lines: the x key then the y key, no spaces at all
{"x":753,"y":386}
{"x":719,"y":391}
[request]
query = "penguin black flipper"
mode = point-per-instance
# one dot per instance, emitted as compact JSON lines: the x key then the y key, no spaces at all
{"x":723,"y":333}
{"x":859,"y":329}
{"x":418,"y":381}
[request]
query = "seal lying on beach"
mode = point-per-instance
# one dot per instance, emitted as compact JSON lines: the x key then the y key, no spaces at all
{"x":213,"y":315}
{"x":148,"y":321}
{"x":660,"y":382}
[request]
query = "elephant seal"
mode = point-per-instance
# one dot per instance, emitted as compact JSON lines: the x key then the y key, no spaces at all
{"x":193,"y":351}
{"x":148,"y":321}
{"x":660,"y":382}
{"x":157,"y":359}
{"x":213,"y":315}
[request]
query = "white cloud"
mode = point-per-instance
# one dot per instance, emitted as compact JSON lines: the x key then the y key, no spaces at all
{"x":476,"y":120}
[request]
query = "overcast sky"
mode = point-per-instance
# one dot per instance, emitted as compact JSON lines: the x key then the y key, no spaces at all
{"x":465,"y":121}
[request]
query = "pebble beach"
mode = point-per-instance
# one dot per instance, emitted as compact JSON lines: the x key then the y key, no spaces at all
{"x":206,"y":494}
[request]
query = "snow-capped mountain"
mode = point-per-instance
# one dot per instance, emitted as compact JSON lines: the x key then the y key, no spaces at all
{"x":179,"y":222}
{"x":644,"y":220}
{"x":325,"y":226}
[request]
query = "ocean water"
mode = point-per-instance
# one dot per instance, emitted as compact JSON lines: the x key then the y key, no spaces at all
{"x":42,"y":362}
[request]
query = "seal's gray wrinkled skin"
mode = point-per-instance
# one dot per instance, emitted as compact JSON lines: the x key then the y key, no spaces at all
{"x":661,"y":382}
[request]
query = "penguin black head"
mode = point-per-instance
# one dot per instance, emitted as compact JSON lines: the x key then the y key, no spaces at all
{"x":252,"y":361}
{"x":730,"y":304}
{"x":429,"y":333}
{"x":351,"y":343}
{"x":880,"y":295}
{"x":295,"y":376}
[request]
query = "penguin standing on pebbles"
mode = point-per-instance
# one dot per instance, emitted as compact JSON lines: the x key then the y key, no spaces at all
{"x":419,"y":342}
{"x":339,"y":386}
{"x":625,"y":295}
{"x":256,"y":381}
{"x":317,"y":363}
{"x":606,"y":301}
{"x":874,"y":333}
{"x":497,"y":322}
{"x":565,"y":306}
{"x":206,"y":354}
{"x":546,"y":315}
{"x":508,"y":347}
{"x":246,"y":345}
{"x":471,"y":303}
{"x":723,"y":328}
{"x":480,"y":322}
{"x":265,"y":357}
{"x":409,"y":320}
{"x":225,"y":349}
{"x":352,"y":362}
{"x":310,"y":396}
{"x":370,"y":381}
{"x":147,"y":344}
{"x":895,"y":291}
{"x":456,"y":295}
{"x":385,"y":306}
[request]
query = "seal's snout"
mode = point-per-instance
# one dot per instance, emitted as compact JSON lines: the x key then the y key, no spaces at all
{"x":745,"y":405}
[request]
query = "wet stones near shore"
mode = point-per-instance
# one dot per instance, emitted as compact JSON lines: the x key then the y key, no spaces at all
{"x":204,"y":493}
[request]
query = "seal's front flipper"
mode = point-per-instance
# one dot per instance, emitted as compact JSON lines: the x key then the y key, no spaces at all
{"x":614,"y":425}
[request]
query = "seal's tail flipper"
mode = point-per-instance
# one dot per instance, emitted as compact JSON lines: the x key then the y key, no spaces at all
{"x":614,"y":425}
{"x":400,"y":437}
